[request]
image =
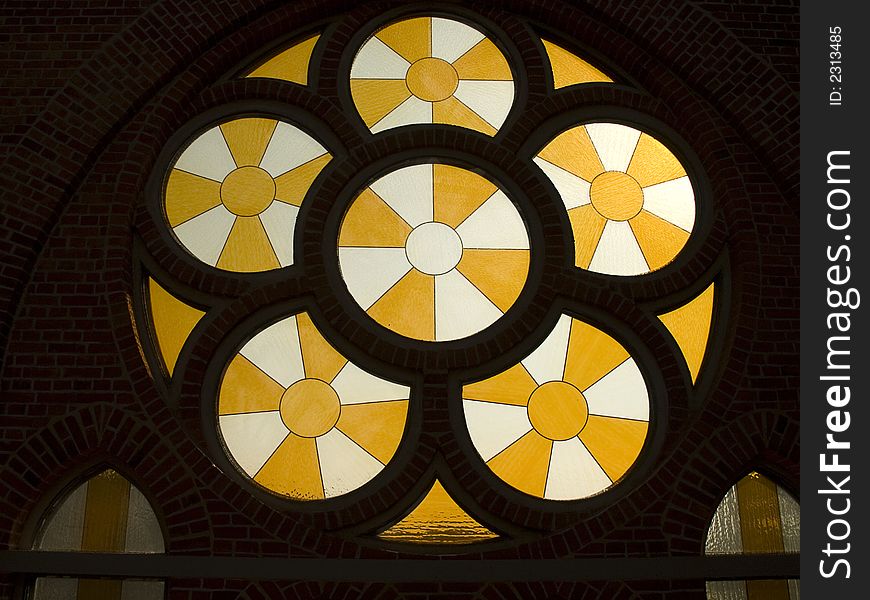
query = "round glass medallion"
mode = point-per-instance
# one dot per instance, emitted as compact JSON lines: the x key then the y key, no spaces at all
{"x":431,"y":70}
{"x":433,"y":252}
{"x":568,"y":421}
{"x":232,"y":196}
{"x":303,"y":421}
{"x":629,"y":199}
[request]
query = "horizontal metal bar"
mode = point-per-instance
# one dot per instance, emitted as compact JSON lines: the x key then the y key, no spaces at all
{"x":774,"y":566}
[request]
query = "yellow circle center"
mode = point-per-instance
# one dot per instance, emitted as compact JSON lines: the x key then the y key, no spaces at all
{"x":616,"y":195}
{"x":310,"y":408}
{"x":558,"y":410}
{"x":248,"y":191}
{"x":432,"y":79}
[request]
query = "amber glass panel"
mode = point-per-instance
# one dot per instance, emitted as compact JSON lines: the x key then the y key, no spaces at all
{"x":570,"y":69}
{"x":438,"y":520}
{"x":289,"y":65}
{"x":172,"y":320}
{"x":690,"y":326}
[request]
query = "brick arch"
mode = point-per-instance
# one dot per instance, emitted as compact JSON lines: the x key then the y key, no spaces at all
{"x":766,"y":441}
{"x":81,"y":440}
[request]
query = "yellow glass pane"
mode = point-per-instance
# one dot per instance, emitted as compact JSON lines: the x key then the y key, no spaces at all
{"x":591,"y":355}
{"x":293,"y":470}
{"x":245,"y":388}
{"x":570,"y":69}
{"x":524,"y":463}
{"x":438,"y":520}
{"x":513,"y":386}
{"x":458,"y":193}
{"x":105,"y":523}
{"x":292,"y":186}
{"x":248,"y":248}
{"x":172,"y":320}
{"x":411,"y":38}
{"x":484,"y":61}
{"x":376,"y":426}
{"x":767,"y":589}
{"x":375,"y":98}
{"x":370,"y":222}
{"x":615,"y":443}
{"x":690,"y":325}
{"x":760,"y":520}
{"x":289,"y":65}
{"x":188,"y":196}
{"x":453,"y":112}
{"x":100,"y":589}
{"x":587,"y":226}
{"x":653,"y":163}
{"x":408,"y":308}
{"x":499,"y":274}
{"x":573,"y":151}
{"x":320,"y":359}
{"x":659,"y":240}
{"x":247,"y":139}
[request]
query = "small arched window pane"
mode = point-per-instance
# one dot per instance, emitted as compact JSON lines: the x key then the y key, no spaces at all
{"x":756,"y":516}
{"x":104,"y":514}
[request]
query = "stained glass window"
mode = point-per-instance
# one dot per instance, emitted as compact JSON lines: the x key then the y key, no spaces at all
{"x":301,"y":420}
{"x":431,"y":70}
{"x":233,"y":195}
{"x":434,"y":252}
{"x":104,"y":514}
{"x":755,"y":517}
{"x":690,"y":325}
{"x":438,"y":520}
{"x":172,"y":321}
{"x":569,"y":69}
{"x":629,"y":199}
{"x":433,"y":248}
{"x":568,"y":421}
{"x":289,"y":65}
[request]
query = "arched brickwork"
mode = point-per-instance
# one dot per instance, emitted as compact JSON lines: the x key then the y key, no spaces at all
{"x":74,"y":382}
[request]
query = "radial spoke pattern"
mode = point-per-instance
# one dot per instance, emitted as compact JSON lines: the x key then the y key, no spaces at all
{"x":568,"y":421}
{"x":301,"y":420}
{"x":431,"y":70}
{"x":630,"y":202}
{"x":232,"y":197}
{"x":433,"y":252}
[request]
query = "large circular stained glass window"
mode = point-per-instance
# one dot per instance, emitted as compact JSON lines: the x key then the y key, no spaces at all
{"x":430,"y":252}
{"x":433,"y":252}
